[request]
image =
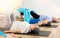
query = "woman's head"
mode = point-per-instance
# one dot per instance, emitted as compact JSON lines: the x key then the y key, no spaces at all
{"x":34,"y":15}
{"x":21,"y":16}
{"x":21,"y":13}
{"x":54,"y":19}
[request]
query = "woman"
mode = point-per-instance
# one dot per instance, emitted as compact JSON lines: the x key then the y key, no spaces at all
{"x":41,"y":19}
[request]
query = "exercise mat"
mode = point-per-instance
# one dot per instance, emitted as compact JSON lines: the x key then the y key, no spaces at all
{"x":40,"y":33}
{"x":51,"y":26}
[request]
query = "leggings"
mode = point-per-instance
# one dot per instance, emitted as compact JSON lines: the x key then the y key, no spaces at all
{"x":33,"y":21}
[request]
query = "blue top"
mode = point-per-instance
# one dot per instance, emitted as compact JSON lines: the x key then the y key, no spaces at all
{"x":44,"y":17}
{"x":2,"y":34}
{"x":26,"y":14}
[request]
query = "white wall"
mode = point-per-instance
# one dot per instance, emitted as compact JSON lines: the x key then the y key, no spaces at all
{"x":7,"y":5}
{"x":45,"y":7}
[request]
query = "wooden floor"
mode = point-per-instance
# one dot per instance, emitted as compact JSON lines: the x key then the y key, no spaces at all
{"x":54,"y":34}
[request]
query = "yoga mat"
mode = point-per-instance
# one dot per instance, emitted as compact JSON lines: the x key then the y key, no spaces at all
{"x":55,"y":22}
{"x":52,"y":26}
{"x":40,"y":33}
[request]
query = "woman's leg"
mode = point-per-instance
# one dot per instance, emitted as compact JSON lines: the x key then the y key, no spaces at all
{"x":45,"y":23}
{"x":34,"y":21}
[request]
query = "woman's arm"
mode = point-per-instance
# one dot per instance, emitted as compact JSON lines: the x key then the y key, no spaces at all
{"x":32,"y":26}
{"x":42,"y":22}
{"x":12,"y":31}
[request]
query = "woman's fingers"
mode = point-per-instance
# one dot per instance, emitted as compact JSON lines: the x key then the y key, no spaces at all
{"x":33,"y":26}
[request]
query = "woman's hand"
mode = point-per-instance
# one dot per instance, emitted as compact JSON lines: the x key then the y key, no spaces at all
{"x":45,"y":22}
{"x":33,"y":26}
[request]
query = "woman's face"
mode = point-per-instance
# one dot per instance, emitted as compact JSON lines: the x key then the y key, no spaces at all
{"x":21,"y":17}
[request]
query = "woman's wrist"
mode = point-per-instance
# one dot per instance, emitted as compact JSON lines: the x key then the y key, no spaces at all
{"x":39,"y":23}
